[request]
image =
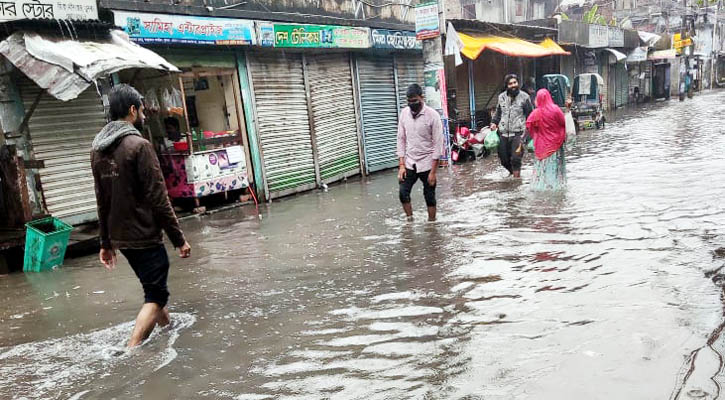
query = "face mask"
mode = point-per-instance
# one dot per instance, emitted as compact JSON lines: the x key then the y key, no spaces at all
{"x":415,"y":107}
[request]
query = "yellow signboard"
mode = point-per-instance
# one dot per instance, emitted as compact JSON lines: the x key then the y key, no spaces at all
{"x":678,"y":43}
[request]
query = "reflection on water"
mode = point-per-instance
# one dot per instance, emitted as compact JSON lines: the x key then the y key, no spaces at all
{"x":602,"y":291}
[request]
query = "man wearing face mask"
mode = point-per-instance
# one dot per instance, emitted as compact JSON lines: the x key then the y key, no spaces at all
{"x":514,"y":107}
{"x":134,"y":207}
{"x":420,"y":146}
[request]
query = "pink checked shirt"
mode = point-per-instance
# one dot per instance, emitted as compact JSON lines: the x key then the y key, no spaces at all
{"x":420,"y":139}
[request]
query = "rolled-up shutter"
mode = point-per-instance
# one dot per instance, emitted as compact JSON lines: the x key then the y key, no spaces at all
{"x":379,"y":103}
{"x":333,"y":109}
{"x":409,"y":70}
{"x":282,"y":120}
{"x":61,"y":134}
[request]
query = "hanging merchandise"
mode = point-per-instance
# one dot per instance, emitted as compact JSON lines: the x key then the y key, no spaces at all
{"x":151,"y":101}
{"x":173,"y":102}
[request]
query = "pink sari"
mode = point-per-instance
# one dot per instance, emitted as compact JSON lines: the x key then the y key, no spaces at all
{"x":546,"y":125}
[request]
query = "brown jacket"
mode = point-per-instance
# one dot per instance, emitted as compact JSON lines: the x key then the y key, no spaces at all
{"x":133,"y":204}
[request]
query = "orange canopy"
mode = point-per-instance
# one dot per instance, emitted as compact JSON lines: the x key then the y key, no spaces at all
{"x":474,"y":46}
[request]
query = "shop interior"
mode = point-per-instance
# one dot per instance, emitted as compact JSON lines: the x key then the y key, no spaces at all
{"x":194,"y":115}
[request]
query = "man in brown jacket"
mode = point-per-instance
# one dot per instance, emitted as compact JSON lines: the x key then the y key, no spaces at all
{"x":134,"y":207}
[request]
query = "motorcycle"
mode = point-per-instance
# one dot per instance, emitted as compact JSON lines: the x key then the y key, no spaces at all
{"x":468,"y":145}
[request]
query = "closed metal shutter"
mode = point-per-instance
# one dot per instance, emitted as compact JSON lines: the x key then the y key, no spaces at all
{"x":463,"y":97}
{"x":61,"y":134}
{"x":379,"y":103}
{"x":282,"y":120}
{"x":622,"y":85}
{"x":333,"y":109}
{"x":410,"y":71}
{"x":489,"y":74}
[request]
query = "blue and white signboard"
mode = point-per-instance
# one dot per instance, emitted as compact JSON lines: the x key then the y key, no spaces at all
{"x":160,"y":28}
{"x":399,"y":40}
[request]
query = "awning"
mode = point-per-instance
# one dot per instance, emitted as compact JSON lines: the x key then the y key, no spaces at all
{"x":618,"y":54}
{"x":65,"y":68}
{"x":514,"y":47}
{"x":638,"y":54}
{"x":663,"y":54}
{"x":648,"y":38}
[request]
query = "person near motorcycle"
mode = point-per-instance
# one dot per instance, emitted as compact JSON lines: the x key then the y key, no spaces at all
{"x":420,"y":146}
{"x":514,"y":107}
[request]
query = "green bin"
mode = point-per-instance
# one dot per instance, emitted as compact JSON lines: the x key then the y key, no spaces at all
{"x":45,"y":243}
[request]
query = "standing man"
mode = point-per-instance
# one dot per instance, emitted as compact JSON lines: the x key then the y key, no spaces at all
{"x":514,"y":107}
{"x":134,"y":207}
{"x":420,"y":146}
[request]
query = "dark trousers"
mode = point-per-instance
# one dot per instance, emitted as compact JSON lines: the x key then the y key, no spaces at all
{"x":411,"y":176}
{"x":152,"y":269}
{"x":507,"y":152}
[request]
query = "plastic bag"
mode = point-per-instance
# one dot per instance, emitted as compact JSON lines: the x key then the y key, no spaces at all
{"x":569,"y":123}
{"x":151,"y":101}
{"x":172,"y":101}
{"x":491,"y":141}
{"x":530,"y":146}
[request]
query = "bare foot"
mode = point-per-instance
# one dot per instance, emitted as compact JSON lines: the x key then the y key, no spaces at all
{"x":163,"y":318}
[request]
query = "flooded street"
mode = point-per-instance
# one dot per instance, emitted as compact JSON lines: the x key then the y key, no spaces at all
{"x":609,"y":290}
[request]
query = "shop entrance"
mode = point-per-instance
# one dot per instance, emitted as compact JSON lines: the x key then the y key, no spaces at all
{"x":196,"y":124}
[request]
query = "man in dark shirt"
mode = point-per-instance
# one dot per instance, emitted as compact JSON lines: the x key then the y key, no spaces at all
{"x":134,"y":207}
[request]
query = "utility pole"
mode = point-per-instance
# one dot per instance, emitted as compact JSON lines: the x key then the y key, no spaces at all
{"x":434,"y":74}
{"x":682,"y":87}
{"x":713,"y":49}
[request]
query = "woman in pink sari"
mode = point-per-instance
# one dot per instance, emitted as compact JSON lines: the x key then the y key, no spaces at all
{"x":546,"y":125}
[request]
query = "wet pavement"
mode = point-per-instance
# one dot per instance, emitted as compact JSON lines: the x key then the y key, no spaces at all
{"x":608,"y":290}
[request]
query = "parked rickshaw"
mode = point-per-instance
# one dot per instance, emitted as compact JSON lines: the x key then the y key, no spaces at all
{"x":588,"y":108}
{"x":558,"y":85}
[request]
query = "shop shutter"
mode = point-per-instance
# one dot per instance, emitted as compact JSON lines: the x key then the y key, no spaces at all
{"x":463,"y":98}
{"x":410,"y":71}
{"x":622,"y":85}
{"x":488,"y":82}
{"x":333,"y":109}
{"x":379,"y":103}
{"x":282,"y":120}
{"x":62,"y":133}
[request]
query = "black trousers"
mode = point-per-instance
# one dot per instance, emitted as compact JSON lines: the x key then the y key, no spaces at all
{"x":507,"y":152}
{"x":411,"y":176}
{"x":152,"y":269}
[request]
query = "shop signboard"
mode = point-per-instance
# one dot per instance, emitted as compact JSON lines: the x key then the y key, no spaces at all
{"x":314,"y":36}
{"x":703,"y":42}
{"x":638,"y":54}
{"x":160,"y":28}
{"x":615,"y":37}
{"x":598,"y":36}
{"x":427,"y":21}
{"x":399,"y":40}
{"x":11,"y":10}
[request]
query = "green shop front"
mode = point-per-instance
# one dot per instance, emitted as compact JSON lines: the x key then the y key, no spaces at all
{"x":305,"y":105}
{"x":196,"y":119}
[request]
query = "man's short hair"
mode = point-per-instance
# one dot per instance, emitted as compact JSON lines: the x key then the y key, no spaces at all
{"x":414,"y":90}
{"x":121,"y":98}
{"x":509,"y":77}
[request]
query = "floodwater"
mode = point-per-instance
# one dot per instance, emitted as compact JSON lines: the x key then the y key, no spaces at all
{"x":608,"y":290}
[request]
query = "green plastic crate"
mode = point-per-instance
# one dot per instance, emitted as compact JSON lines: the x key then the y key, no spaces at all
{"x":46,"y":241}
